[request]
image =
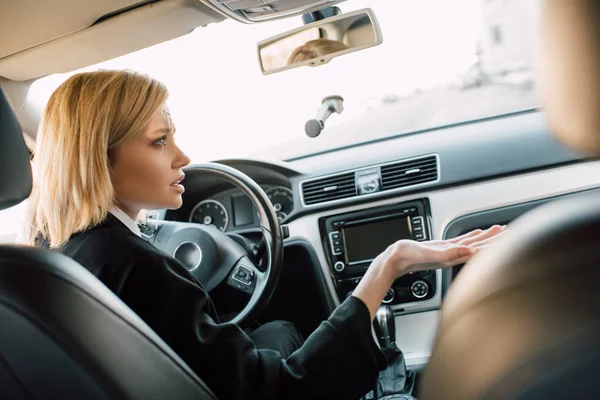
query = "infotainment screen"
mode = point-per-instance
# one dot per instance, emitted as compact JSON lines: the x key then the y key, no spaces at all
{"x":366,"y":241}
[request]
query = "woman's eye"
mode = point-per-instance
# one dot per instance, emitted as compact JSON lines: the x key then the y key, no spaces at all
{"x":161,"y":142}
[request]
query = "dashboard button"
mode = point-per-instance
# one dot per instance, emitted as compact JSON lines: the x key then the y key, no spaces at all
{"x":417,"y":221}
{"x":419,"y":289}
{"x":335,"y":242}
{"x":389,"y":296}
{"x":339,"y":266}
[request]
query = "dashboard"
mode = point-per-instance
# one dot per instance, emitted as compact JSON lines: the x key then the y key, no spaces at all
{"x":231,"y":210}
{"x":212,"y":202}
{"x":345,"y":204}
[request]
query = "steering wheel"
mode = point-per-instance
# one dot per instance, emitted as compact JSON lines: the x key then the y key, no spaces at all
{"x":213,"y":257}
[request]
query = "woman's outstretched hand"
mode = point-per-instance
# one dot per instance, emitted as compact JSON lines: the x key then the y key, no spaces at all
{"x":407,"y":256}
{"x":410,"y":256}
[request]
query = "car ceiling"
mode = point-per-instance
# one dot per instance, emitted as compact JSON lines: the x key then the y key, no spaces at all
{"x":53,"y":19}
{"x":41,"y":37}
{"x":53,"y":36}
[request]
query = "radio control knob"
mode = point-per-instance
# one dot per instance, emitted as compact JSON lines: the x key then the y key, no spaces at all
{"x":339,"y":266}
{"x":389,"y":297}
{"x":419,"y":289}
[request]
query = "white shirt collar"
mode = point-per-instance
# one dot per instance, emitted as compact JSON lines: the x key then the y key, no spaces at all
{"x":126,"y":220}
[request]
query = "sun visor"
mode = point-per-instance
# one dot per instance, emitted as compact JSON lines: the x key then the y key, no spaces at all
{"x":113,"y":37}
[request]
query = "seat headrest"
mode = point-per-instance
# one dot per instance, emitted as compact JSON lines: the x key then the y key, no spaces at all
{"x":522,"y":318}
{"x":570,"y":72}
{"x":15,"y":169}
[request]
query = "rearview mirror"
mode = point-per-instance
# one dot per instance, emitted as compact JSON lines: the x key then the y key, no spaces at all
{"x":318,"y":42}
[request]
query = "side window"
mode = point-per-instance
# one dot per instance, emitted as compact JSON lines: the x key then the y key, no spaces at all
{"x":12,"y":223}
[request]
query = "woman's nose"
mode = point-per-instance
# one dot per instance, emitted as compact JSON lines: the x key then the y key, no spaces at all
{"x":182,"y":159}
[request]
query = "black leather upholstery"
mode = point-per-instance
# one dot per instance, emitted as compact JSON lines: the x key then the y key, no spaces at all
{"x":63,"y":334}
{"x":15,"y":170}
{"x":522,"y":321}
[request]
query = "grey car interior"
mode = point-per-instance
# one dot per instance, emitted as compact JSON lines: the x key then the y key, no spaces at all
{"x":519,"y":321}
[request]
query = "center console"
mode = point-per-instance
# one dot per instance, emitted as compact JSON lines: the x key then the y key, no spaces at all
{"x":353,"y":240}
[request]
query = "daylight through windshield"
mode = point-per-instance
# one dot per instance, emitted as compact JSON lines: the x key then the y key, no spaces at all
{"x":440,"y":62}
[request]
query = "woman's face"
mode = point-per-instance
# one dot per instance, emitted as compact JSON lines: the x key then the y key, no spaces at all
{"x":146,"y":170}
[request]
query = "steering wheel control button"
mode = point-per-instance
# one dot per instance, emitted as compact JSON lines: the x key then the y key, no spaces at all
{"x":419,"y":289}
{"x":243,"y":275}
{"x":240,"y":286}
{"x":339,"y":266}
{"x":389,"y":296}
{"x":189,"y":254}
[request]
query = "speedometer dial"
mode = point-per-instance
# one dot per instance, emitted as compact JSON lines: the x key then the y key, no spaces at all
{"x":283,"y":201}
{"x":210,"y":212}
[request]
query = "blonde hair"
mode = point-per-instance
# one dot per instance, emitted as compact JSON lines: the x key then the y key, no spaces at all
{"x":85,"y":121}
{"x":315,"y":48}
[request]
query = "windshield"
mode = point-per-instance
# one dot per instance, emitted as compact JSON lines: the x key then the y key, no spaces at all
{"x":441,"y":62}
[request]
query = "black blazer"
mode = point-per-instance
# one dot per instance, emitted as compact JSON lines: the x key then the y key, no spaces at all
{"x":338,"y":360}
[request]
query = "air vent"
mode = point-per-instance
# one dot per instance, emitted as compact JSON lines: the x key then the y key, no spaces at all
{"x":408,"y":173}
{"x":327,"y":189}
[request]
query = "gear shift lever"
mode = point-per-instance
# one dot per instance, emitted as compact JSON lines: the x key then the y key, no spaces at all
{"x":395,"y":382}
{"x":385,"y":327}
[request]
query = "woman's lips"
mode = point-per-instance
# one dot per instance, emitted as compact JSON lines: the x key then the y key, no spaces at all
{"x":177,"y":184}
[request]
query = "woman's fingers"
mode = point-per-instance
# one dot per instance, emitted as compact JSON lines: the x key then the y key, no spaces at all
{"x":490,"y":240}
{"x":487,"y":242}
{"x":476,"y":233}
{"x":458,"y":255}
{"x":445,"y":254}
{"x":451,"y":254}
{"x":465,"y":236}
{"x":485,"y":235}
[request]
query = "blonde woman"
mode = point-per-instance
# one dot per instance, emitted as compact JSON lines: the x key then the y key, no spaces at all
{"x":106,"y":151}
{"x":315,"y":48}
